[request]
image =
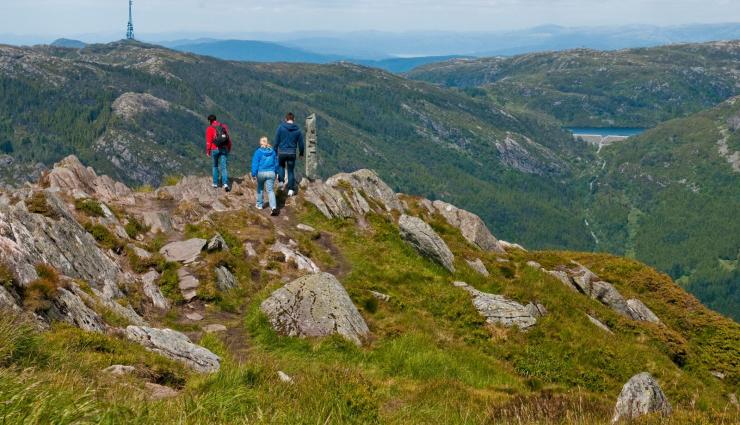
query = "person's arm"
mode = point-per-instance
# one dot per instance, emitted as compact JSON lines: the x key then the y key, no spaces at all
{"x":256,"y":162}
{"x":209,"y":140}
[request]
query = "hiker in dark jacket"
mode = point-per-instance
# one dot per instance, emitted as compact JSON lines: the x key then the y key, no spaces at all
{"x":264,"y":168}
{"x":288,"y":143}
{"x":220,"y":155}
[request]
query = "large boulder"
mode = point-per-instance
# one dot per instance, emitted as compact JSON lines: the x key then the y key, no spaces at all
{"x":500,"y":310}
{"x":183,"y":251}
{"x":367,"y":184}
{"x":175,"y":345}
{"x":352,"y":195}
{"x":641,"y":395}
{"x":641,"y":312}
{"x":471,"y":226}
{"x":56,"y":239}
{"x":426,"y":241}
{"x":70,"y":176}
{"x":315,"y":305}
{"x":328,"y":201}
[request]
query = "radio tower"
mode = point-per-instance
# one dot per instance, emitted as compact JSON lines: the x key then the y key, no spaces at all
{"x":130,"y":28}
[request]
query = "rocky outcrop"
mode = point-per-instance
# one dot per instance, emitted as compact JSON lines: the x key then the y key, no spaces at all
{"x":121,"y":311}
{"x":641,"y":312}
{"x":641,"y":395}
{"x":426,"y":241}
{"x":188,"y":284}
{"x":56,"y":239}
{"x":301,"y":262}
{"x":316,"y":305}
{"x":471,"y":226}
{"x":503,"y":311}
{"x":68,"y":307}
{"x":151,"y":290}
{"x":8,"y":302}
{"x":183,"y":251}
{"x":175,"y":345}
{"x":478,"y":266}
{"x":508,"y":246}
{"x":355,"y":194}
{"x":70,"y":176}
{"x":225,"y":280}
{"x":329,"y":201}
{"x":196,"y":191}
{"x":129,"y":105}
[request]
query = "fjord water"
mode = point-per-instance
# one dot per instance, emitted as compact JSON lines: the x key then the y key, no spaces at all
{"x":606,"y":131}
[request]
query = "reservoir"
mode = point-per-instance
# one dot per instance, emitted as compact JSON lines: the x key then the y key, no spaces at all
{"x":604,"y":132}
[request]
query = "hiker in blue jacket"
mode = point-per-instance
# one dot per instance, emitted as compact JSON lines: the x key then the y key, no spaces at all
{"x":288,"y":143}
{"x":264,"y":168}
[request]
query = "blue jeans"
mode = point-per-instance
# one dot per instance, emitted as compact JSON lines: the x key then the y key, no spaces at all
{"x":267,"y":179}
{"x":287,"y":161}
{"x":220,"y":160}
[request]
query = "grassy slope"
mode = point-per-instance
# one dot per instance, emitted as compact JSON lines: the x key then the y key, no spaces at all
{"x":625,"y":88}
{"x":431,"y":358}
{"x":668,"y":198}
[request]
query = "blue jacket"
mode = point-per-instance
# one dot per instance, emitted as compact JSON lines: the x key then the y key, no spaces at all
{"x":264,"y":159}
{"x":288,"y":139}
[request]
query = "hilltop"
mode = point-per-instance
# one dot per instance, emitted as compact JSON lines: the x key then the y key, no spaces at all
{"x":590,"y":88}
{"x":449,"y":325}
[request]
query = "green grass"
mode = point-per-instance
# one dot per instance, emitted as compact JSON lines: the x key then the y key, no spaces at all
{"x":89,"y":207}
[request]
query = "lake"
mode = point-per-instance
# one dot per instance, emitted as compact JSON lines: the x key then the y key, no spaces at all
{"x":606,"y":131}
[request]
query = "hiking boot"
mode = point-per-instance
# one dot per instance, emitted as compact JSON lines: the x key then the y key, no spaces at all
{"x":258,"y":206}
{"x":274,"y":212}
{"x":291,"y":193}
{"x":227,"y":188}
{"x":215,"y":186}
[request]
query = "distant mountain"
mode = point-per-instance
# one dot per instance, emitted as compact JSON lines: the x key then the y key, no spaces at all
{"x":253,"y":51}
{"x":65,"y":42}
{"x":399,"y":65}
{"x":588,"y":88}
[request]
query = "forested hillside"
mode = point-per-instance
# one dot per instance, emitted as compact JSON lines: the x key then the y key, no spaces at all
{"x":584,"y":88}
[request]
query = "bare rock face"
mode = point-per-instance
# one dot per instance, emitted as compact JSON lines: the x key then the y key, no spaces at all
{"x":355,"y":194}
{"x":151,"y":290}
{"x":426,"y":241}
{"x":641,"y":312}
{"x":70,"y":176}
{"x":367,"y":184}
{"x":290,"y":255}
{"x":196,"y":190}
{"x":225,"y":280}
{"x":183,"y":251}
{"x":471,"y":226}
{"x":8,"y":301}
{"x":27,"y":239}
{"x":641,"y":395}
{"x":68,"y":307}
{"x":175,"y":345}
{"x":315,"y":305}
{"x":503,"y":311}
{"x":129,"y":105}
{"x":328,"y":200}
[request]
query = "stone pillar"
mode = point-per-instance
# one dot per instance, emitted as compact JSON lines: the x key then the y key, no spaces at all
{"x":312,"y":158}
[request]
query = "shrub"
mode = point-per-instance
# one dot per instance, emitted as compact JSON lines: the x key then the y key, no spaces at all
{"x":6,"y":276}
{"x":39,"y":294}
{"x":171,"y":180}
{"x":135,"y":228}
{"x":168,"y":282}
{"x":105,"y":237}
{"x":89,"y":207}
{"x":37,"y":204}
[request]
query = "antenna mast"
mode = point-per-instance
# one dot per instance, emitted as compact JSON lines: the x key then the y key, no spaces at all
{"x":130,"y":28}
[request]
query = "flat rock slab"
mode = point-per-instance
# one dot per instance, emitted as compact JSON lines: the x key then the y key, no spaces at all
{"x":291,"y":255}
{"x":188,"y":284}
{"x":426,"y":241}
{"x":500,"y":310}
{"x":315,"y":305}
{"x":640,"y":396}
{"x":176,"y":346}
{"x":152,"y":291}
{"x":214,"y":328}
{"x":195,"y":317}
{"x":183,"y":251}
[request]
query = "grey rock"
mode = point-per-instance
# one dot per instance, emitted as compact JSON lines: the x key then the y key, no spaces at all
{"x":68,"y":307}
{"x":329,"y":201}
{"x":305,"y":227}
{"x":195,"y":317}
{"x":563,"y":277}
{"x":478,"y":266}
{"x":188,"y":284}
{"x":225,"y":280}
{"x":196,"y":191}
{"x":589,"y":283}
{"x":471,"y":226}
{"x":599,"y":324}
{"x":249,"y":250}
{"x":290,"y":255}
{"x":214,"y":328}
{"x":641,"y":395}
{"x":534,"y":265}
{"x":367,"y":184}
{"x":717,"y":374}
{"x":157,"y":221}
{"x":70,"y":176}
{"x":315,"y":305}
{"x":174,"y":345}
{"x":217,"y":243}
{"x":159,"y":392}
{"x":119,"y":370}
{"x":27,"y":239}
{"x":152,"y":291}
{"x":124,"y":312}
{"x":508,"y":246}
{"x":8,"y":301}
{"x":501,"y":310}
{"x":380,"y":296}
{"x":284,"y":377}
{"x":312,"y":153}
{"x":641,"y":312}
{"x":141,"y":253}
{"x":183,"y":251}
{"x":426,"y":241}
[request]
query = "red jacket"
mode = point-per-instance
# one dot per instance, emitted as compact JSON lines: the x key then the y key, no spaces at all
{"x":211,"y":134}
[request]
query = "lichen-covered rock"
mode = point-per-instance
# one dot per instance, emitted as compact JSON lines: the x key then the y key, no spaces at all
{"x":426,"y":241}
{"x":225,"y":280}
{"x":329,"y":201}
{"x":641,"y":312}
{"x":188,"y":284}
{"x":183,"y":251}
{"x":471,"y":226}
{"x":175,"y":345}
{"x":68,"y":307}
{"x":70,"y":176}
{"x":503,"y":311}
{"x":291,"y":255}
{"x":367,"y":184}
{"x":152,"y":291}
{"x":315,"y":305}
{"x":217,"y":243}
{"x":641,"y":395}
{"x":478,"y":266}
{"x":8,"y":301}
{"x":27,"y":239}
{"x":508,"y":246}
{"x":598,"y":323}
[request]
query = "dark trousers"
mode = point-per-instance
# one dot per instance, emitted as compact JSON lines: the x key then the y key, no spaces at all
{"x":287,"y":161}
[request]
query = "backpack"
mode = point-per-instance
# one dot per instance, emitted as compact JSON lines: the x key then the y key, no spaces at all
{"x":222,"y":138}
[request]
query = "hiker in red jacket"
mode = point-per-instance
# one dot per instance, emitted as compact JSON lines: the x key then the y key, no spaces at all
{"x":218,"y":146}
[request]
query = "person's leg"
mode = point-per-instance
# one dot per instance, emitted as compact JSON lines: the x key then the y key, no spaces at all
{"x":260,"y":196}
{"x":290,"y":163}
{"x":281,"y":169}
{"x":225,"y":169}
{"x":270,"y":182}
{"x":214,"y":156}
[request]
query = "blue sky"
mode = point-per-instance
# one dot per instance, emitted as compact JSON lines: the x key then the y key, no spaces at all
{"x":76,"y":17}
